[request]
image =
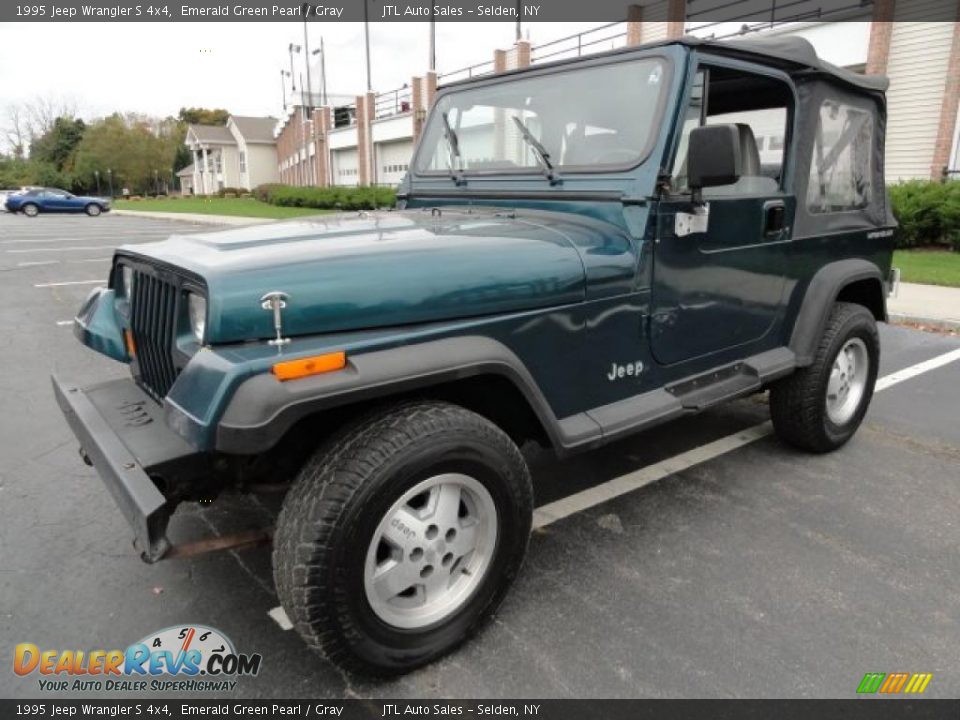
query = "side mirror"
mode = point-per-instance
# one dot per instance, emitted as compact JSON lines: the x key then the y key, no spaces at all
{"x":713,"y":157}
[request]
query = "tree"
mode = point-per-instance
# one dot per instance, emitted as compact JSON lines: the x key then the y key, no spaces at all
{"x":15,"y":131}
{"x":203,"y":116}
{"x":136,"y":149}
{"x":42,"y":113}
{"x":56,"y":146}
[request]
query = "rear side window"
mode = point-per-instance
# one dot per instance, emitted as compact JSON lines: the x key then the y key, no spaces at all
{"x":841,"y":167}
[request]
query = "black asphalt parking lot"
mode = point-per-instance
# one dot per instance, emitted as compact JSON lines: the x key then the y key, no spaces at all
{"x":763,"y":572}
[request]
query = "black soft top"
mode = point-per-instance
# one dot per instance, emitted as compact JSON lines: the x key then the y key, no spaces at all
{"x":793,"y":54}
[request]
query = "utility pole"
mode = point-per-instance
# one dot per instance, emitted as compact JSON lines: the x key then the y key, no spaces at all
{"x":433,"y":43}
{"x":283,"y":87}
{"x":519,"y":10}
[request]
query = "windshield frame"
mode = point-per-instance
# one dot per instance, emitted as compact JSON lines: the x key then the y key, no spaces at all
{"x":621,"y":56}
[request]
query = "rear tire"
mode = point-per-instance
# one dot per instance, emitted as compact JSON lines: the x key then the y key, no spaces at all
{"x":30,"y":209}
{"x":92,"y":209}
{"x":430,"y":491}
{"x":820,"y":407}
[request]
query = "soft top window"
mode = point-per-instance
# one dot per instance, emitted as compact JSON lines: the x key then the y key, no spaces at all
{"x":591,"y":117}
{"x":840,"y":170}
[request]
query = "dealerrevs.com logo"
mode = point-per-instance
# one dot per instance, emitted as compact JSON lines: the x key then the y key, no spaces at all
{"x":187,"y":658}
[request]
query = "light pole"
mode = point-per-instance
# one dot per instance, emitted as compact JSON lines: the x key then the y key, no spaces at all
{"x":110,"y":181}
{"x":366,"y":35}
{"x":284,"y":74}
{"x":96,"y":174}
{"x":519,"y":10}
{"x":323,"y":72}
{"x":156,"y":183}
{"x":433,"y":43}
{"x":306,"y":61}
{"x":293,"y":78}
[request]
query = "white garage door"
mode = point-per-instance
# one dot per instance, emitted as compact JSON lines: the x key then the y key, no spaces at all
{"x":345,"y":167}
{"x":393,"y":161}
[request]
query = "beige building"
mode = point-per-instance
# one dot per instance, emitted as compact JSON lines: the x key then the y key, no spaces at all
{"x":242,"y":154}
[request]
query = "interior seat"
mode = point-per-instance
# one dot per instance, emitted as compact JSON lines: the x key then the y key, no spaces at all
{"x":752,"y":179}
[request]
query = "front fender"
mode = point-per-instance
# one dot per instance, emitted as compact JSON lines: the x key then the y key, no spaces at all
{"x":263,"y":409}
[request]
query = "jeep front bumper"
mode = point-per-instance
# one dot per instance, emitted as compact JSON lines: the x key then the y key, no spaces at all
{"x":122,"y":433}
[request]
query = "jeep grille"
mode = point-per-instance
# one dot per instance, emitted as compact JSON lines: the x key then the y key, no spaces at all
{"x":153,"y":321}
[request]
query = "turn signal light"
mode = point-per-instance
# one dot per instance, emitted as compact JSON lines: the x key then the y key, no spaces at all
{"x":304,"y":367}
{"x":128,"y":339}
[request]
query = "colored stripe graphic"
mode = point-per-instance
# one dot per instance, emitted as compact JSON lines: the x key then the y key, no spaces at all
{"x":871,"y":682}
{"x":894,"y":683}
{"x":918,"y":683}
{"x":913,"y":683}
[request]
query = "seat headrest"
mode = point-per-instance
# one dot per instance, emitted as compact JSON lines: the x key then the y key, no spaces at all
{"x":749,"y":152}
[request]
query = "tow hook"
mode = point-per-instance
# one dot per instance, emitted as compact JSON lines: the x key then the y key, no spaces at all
{"x":85,"y":457}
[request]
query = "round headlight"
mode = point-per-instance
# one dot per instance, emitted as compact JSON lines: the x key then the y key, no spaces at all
{"x":126,"y":274}
{"x":197,"y":309}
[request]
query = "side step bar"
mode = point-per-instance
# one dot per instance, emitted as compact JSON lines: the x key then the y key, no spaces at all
{"x":691,"y":394}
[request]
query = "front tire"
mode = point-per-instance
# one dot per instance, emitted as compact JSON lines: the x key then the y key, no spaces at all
{"x":30,"y":210}
{"x":402,"y":535}
{"x":93,"y":209}
{"x":820,"y":407}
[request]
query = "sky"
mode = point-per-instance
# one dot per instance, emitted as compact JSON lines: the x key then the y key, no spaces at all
{"x":157,"y":68}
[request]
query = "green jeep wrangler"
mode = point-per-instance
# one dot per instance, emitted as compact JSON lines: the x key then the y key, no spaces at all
{"x":581,"y":250}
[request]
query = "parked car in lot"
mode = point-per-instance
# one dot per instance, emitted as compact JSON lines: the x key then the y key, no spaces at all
{"x":37,"y":200}
{"x":558,"y":272}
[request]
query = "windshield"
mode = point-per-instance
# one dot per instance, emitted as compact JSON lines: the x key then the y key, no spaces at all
{"x":585,"y":118}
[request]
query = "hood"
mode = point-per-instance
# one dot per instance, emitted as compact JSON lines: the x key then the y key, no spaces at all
{"x":376,"y":270}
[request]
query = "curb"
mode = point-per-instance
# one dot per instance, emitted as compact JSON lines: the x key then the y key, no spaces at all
{"x":934,"y":323}
{"x":194,"y":218}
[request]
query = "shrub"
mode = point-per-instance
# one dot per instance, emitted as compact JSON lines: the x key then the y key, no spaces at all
{"x":343,"y":198}
{"x":263,"y":192}
{"x":229,"y":192}
{"x":928,"y":213}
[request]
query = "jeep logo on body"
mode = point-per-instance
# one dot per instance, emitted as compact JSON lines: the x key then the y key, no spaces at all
{"x":629,"y":370}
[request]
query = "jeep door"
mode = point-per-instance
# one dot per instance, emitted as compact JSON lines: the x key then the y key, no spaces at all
{"x":720,"y":265}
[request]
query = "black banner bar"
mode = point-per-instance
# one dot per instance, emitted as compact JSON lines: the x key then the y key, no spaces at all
{"x":856,"y":709}
{"x":748,"y":12}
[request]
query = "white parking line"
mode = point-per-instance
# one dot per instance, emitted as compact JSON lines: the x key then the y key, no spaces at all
{"x":559,"y":509}
{"x":34,"y":263}
{"x":926,"y":366}
{"x":70,"y":282}
{"x":59,"y":249}
{"x":61,"y":323}
{"x":586,"y":499}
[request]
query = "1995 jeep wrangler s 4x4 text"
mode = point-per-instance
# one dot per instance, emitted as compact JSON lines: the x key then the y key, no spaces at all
{"x":581,"y":250}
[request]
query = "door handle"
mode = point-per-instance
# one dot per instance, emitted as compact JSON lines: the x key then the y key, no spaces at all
{"x":774,"y":218}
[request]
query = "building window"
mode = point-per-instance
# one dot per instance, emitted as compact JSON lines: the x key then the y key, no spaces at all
{"x":243,"y":161}
{"x":218,"y":163}
{"x":841,"y":166}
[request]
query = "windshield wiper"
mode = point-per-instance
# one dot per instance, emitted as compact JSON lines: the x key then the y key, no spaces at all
{"x":543,"y":157}
{"x":454,"y":143}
